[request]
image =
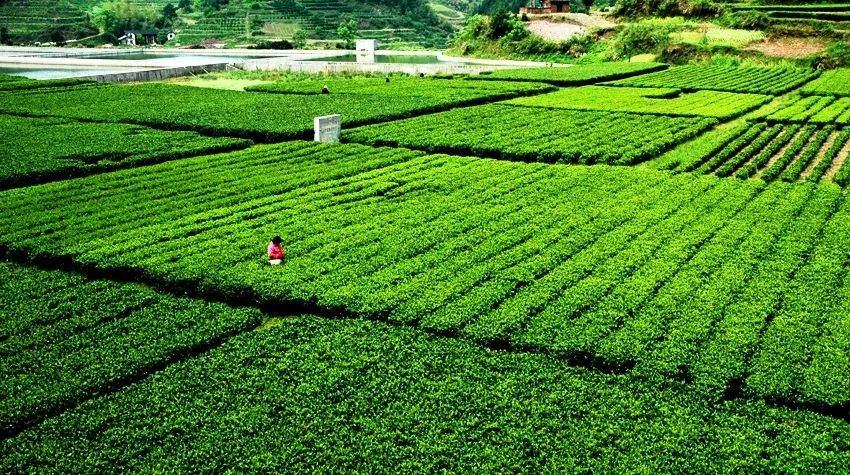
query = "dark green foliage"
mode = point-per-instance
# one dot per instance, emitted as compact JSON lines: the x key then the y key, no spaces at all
{"x":665,"y":8}
{"x":625,"y":265}
{"x":537,"y":134}
{"x":639,"y":38}
{"x":38,"y":150}
{"x":491,"y":7}
{"x":670,"y":102}
{"x":654,"y":322}
{"x":408,"y":23}
{"x":837,"y":55}
{"x":574,"y":75}
{"x":747,"y":19}
{"x":820,"y":16}
{"x":413,"y":87}
{"x":312,"y":394}
{"x":253,"y":115}
{"x":213,"y":4}
{"x":500,"y":24}
{"x":759,"y":80}
{"x":793,"y":6}
{"x":21,"y":83}
{"x":66,"y":339}
{"x":167,"y":18}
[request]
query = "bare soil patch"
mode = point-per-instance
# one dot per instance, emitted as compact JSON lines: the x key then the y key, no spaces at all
{"x":788,"y":47}
{"x":555,"y":31}
{"x":562,"y":26}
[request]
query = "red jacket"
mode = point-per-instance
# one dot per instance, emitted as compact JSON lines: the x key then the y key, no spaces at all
{"x":276,"y":251}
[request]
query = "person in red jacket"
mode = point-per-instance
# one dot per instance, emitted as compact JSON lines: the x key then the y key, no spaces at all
{"x":276,"y":252}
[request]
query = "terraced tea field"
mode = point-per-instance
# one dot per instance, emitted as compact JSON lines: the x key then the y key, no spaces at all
{"x":489,"y":274}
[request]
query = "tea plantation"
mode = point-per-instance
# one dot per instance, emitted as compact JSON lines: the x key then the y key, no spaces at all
{"x":606,"y":269}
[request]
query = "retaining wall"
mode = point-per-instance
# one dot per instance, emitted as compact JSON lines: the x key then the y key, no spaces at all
{"x":159,"y":74}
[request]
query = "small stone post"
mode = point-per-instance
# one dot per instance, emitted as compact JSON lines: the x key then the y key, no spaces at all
{"x":327,"y":128}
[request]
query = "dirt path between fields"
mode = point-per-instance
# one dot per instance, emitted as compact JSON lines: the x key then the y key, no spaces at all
{"x":839,"y":161}
{"x":788,"y":47}
{"x":819,"y":157}
{"x":779,"y":154}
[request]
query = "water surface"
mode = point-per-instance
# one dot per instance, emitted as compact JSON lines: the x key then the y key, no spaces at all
{"x":47,"y":72}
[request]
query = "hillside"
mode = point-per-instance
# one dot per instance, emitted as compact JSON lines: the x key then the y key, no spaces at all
{"x":410,"y":24}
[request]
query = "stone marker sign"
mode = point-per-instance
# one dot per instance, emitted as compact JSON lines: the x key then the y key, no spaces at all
{"x":327,"y":128}
{"x":365,"y":50}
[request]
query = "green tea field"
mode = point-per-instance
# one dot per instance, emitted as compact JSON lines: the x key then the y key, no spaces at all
{"x":611,"y":268}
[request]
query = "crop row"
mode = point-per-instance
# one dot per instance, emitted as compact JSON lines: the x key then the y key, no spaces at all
{"x":537,"y":134}
{"x":65,"y":339}
{"x":816,"y":109}
{"x":40,"y":149}
{"x":810,"y":333}
{"x":814,"y":7}
{"x":788,"y":152}
{"x":723,"y":105}
{"x":20,"y":83}
{"x":626,"y":266}
{"x":830,"y":83}
{"x":578,"y":75}
{"x":249,"y":115}
{"x":758,"y":80}
{"x":434,"y":88}
{"x":814,"y":16}
{"x":367,"y":397}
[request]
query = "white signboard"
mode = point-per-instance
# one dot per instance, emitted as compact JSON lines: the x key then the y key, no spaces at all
{"x":327,"y":128}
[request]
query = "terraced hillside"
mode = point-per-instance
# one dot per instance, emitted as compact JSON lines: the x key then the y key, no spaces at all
{"x":835,"y":13}
{"x":240,"y":21}
{"x":36,"y":20}
{"x":318,"y":19}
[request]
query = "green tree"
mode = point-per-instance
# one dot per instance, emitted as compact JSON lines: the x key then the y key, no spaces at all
{"x":500,"y":24}
{"x":169,"y":12}
{"x":639,"y":38}
{"x":210,"y":5}
{"x":162,"y":37}
{"x":185,"y":6}
{"x":490,"y":7}
{"x":587,"y":4}
{"x":167,"y":18}
{"x":57,"y":37}
{"x":105,"y":19}
{"x":5,"y":39}
{"x":115,"y":16}
{"x":347,"y":31}
{"x":299,"y":40}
